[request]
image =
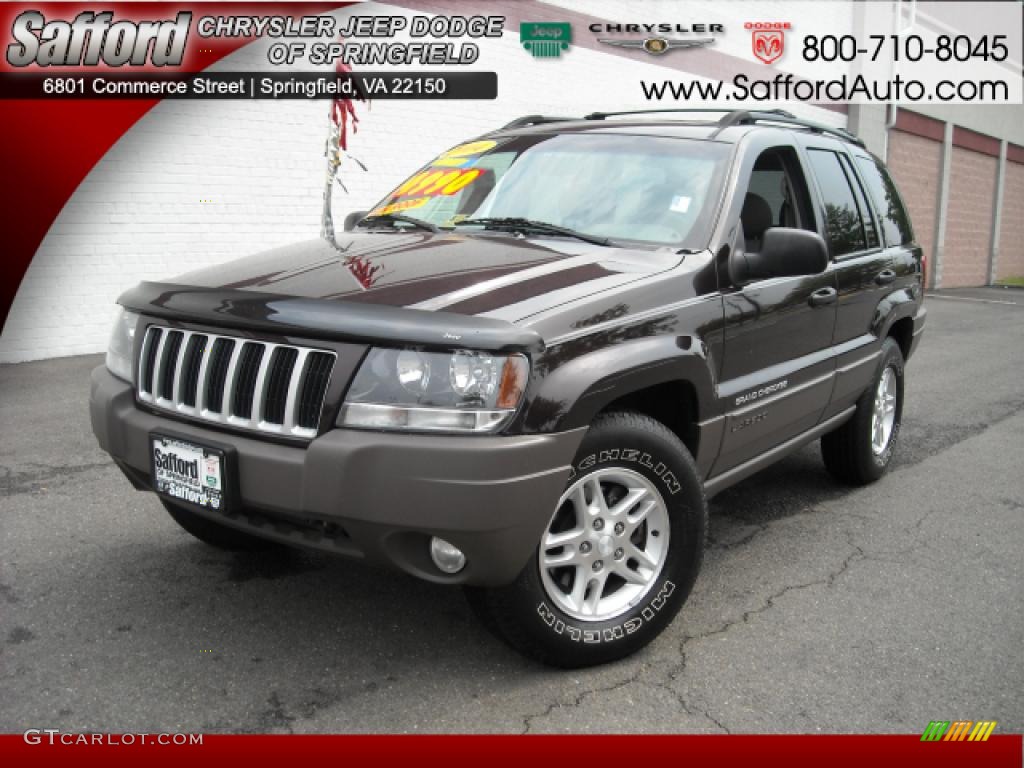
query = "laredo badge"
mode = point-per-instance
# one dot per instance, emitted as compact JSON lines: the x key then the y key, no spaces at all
{"x":545,"y":39}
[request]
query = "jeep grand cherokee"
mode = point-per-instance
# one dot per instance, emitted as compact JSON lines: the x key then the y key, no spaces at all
{"x":527,"y":367}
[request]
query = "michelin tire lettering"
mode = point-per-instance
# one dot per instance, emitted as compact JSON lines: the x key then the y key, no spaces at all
{"x":642,"y":458}
{"x":607,"y":634}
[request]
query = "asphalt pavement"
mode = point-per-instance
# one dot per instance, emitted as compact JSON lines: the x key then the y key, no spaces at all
{"x":819,"y":609}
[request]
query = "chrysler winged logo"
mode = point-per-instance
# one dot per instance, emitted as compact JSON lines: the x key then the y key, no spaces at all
{"x":768,"y":39}
{"x":656,"y":46}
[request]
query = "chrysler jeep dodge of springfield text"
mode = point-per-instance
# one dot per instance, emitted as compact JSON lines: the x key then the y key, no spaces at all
{"x":525,"y":370}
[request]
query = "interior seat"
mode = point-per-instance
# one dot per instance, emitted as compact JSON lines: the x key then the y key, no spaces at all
{"x":756,"y":217}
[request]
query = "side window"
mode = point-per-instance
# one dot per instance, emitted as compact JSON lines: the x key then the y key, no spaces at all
{"x":776,"y":196}
{"x":895,"y":222}
{"x":862,"y":204}
{"x":843,"y":222}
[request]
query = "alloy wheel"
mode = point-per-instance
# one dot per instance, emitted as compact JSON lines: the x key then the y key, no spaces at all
{"x":606,"y":544}
{"x":883,"y":415}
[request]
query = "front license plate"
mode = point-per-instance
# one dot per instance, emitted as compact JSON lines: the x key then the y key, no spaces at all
{"x":188,"y":472}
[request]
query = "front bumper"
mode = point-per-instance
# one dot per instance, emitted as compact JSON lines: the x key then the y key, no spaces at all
{"x":373,"y":495}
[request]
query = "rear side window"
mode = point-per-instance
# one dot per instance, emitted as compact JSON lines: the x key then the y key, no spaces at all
{"x":895,"y":222}
{"x":862,"y":204}
{"x":843,"y":221}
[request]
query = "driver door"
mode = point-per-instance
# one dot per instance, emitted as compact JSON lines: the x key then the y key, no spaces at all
{"x":777,"y":370}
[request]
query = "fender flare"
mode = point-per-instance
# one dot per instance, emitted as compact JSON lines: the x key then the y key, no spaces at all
{"x":571,"y":395}
{"x":894,"y":307}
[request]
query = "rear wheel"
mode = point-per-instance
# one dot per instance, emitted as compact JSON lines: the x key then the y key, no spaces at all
{"x":859,"y":452}
{"x":619,"y":555}
{"x":214,"y":534}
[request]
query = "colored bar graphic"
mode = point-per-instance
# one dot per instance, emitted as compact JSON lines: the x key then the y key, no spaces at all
{"x":958,"y":730}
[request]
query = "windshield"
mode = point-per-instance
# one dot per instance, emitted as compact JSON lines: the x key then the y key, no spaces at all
{"x":638,"y":189}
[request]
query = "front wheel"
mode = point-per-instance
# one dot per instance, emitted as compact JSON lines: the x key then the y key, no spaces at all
{"x":619,"y":556}
{"x":860,"y":450}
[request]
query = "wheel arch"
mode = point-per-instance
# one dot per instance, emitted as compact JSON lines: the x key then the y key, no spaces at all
{"x":666,"y":378}
{"x":672,"y":403}
{"x":902,"y":331}
{"x":895,"y":318}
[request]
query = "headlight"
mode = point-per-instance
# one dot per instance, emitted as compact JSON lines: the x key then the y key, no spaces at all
{"x":460,"y":391}
{"x":119,"y":351}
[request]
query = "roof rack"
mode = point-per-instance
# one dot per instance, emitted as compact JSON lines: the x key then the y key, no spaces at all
{"x":745,"y":117}
{"x":521,"y":122}
{"x":688,"y":110}
{"x":730,"y":118}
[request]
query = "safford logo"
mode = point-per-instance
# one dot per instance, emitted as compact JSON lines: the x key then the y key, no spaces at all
{"x":768,"y":39}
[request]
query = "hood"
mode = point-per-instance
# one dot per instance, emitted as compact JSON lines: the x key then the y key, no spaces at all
{"x":489,"y":274}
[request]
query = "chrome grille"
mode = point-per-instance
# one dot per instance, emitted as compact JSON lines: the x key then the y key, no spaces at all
{"x":257,"y":385}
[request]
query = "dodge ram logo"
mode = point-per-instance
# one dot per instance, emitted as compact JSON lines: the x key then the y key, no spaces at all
{"x":768,"y":45}
{"x":768,"y":39}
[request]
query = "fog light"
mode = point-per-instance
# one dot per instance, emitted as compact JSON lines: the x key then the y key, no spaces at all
{"x":446,"y":555}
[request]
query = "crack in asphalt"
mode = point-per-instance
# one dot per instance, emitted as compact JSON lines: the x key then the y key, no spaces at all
{"x":17,"y":483}
{"x":694,"y":711}
{"x":828,"y":580}
{"x":529,"y":720}
{"x":856,"y":553}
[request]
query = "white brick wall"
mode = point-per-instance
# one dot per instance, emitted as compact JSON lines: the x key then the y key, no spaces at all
{"x":138,"y":214}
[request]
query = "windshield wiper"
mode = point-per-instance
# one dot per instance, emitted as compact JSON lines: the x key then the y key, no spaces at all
{"x":517,"y":224}
{"x":391,"y":218}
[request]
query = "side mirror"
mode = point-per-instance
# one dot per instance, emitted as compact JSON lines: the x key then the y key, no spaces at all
{"x":784,"y":252}
{"x":354,"y":218}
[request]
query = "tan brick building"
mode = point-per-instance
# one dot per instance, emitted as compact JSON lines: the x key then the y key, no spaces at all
{"x":965,"y":193}
{"x":1011,"y":232}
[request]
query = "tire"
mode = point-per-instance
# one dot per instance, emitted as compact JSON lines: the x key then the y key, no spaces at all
{"x":214,"y":534}
{"x":543,"y":615}
{"x":851,"y":453}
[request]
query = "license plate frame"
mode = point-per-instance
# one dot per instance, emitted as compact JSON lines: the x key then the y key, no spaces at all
{"x":213,"y":488}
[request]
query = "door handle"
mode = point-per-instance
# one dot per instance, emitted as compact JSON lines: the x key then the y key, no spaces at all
{"x":822,"y":296}
{"x":885,"y":277}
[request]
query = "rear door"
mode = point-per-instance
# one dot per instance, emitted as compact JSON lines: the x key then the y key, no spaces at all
{"x":863,"y":266}
{"x":894,"y":224}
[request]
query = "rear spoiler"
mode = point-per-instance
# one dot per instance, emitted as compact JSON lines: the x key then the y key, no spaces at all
{"x":329,"y":319}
